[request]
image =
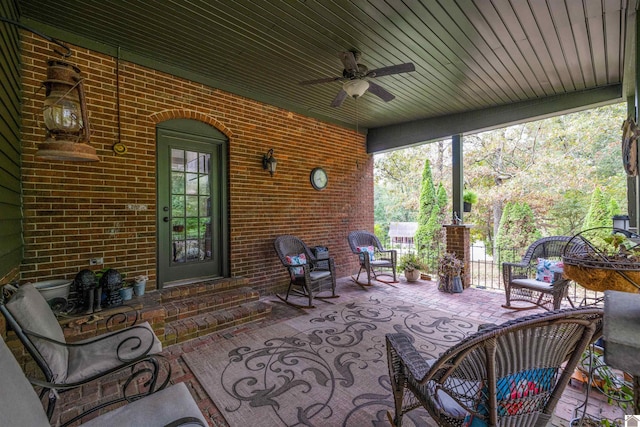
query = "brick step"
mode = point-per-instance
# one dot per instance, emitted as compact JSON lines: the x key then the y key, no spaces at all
{"x":205,"y":323}
{"x":177,"y":293}
{"x":210,"y":301}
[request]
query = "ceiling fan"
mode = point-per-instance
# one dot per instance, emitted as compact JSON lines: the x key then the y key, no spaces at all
{"x":356,"y":78}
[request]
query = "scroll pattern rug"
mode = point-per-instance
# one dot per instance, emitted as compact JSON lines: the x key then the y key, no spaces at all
{"x":326,"y":368}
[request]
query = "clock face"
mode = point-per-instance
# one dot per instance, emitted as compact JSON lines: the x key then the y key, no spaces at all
{"x":319,"y":179}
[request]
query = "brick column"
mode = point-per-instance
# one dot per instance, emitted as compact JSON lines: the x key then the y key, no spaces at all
{"x":459,"y":242}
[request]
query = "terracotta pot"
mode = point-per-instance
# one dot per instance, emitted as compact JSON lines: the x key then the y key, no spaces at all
{"x":412,"y":275}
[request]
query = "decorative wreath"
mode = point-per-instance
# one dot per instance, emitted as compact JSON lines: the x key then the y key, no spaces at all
{"x":630,"y":147}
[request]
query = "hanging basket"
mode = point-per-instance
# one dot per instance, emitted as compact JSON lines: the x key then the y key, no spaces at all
{"x":601,"y":276}
{"x":599,"y":270}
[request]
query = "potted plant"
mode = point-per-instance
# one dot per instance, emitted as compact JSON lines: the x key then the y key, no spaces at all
{"x":449,"y":270}
{"x":139,"y":284}
{"x":469,"y":198}
{"x":411,"y":265}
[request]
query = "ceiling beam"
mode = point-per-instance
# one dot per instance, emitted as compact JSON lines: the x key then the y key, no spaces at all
{"x":418,"y":132}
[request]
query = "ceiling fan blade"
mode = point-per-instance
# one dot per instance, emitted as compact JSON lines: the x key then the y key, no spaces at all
{"x":324,"y":80}
{"x":339,"y":99}
{"x":380,"y":92}
{"x":349,"y":61}
{"x":392,"y":69}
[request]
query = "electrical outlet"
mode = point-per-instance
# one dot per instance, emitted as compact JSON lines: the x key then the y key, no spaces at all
{"x":96,"y":261}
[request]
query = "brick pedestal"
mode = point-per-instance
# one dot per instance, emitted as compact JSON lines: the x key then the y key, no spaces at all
{"x":458,"y":239}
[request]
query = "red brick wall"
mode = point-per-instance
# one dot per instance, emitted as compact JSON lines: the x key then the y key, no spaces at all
{"x":77,"y":211}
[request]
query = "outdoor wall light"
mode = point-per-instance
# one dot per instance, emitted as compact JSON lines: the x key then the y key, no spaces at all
{"x":65,"y":115}
{"x":621,"y":222}
{"x":269,"y":162}
{"x":65,"y":109}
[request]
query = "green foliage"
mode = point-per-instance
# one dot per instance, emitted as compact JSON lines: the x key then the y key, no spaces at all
{"x":410,"y":262}
{"x":470,"y":196}
{"x":381,"y":232}
{"x":598,"y":214}
{"x":517,"y":230}
{"x":428,"y":205}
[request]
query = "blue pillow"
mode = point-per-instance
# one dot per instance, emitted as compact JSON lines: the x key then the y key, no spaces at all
{"x":366,"y":249}
{"x":297,"y":260}
{"x":547,"y":268}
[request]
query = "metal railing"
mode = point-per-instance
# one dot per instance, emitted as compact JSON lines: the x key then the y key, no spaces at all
{"x":486,"y":272}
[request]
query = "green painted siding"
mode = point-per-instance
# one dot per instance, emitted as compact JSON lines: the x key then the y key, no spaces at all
{"x":10,"y":95}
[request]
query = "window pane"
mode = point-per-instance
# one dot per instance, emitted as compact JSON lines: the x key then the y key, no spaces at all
{"x":177,"y":160}
{"x":177,"y":183}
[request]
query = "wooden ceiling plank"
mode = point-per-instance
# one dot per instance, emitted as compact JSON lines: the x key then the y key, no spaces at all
{"x":549,"y":31}
{"x":510,"y":46}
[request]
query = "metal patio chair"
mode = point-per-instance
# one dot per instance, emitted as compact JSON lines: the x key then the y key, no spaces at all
{"x":511,"y":374}
{"x":307,"y":275}
{"x":172,"y":406}
{"x":520,"y":279}
{"x":134,"y":349}
{"x":373,"y":257}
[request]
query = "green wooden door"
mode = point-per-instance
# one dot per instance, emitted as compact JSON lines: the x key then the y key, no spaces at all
{"x":191,"y":202}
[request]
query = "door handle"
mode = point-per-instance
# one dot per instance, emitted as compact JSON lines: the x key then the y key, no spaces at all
{"x":165,"y":219}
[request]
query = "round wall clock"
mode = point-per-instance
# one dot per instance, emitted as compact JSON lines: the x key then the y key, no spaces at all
{"x":319,"y":179}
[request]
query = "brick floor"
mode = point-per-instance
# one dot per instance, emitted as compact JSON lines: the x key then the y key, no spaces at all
{"x":479,"y":304}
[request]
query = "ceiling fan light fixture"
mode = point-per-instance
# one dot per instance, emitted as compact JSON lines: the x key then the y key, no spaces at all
{"x":356,"y":87}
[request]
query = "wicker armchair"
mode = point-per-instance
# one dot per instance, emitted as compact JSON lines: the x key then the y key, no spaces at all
{"x":133,"y":350}
{"x":382,"y":261}
{"x":307,"y":275}
{"x":520,"y":278}
{"x":506,"y":375}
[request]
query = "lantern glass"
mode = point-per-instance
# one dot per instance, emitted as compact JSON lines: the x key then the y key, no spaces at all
{"x":62,"y":114}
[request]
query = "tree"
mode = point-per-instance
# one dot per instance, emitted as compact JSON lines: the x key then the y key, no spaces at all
{"x":599,"y":212}
{"x":428,"y":211}
{"x":516,"y":232}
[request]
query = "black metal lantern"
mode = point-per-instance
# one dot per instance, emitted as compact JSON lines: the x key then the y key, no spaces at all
{"x":269,"y":162}
{"x":65,"y":115}
{"x":621,"y":222}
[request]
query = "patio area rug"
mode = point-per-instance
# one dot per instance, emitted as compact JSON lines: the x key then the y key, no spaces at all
{"x":326,"y":368}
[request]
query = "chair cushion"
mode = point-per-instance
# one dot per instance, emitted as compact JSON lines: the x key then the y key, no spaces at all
{"x":510,"y":391}
{"x":157,"y":409}
{"x":20,"y":403}
{"x":319,"y":274}
{"x":546,"y":269}
{"x":99,"y":355}
{"x":533,"y":284}
{"x":297,"y":260}
{"x":33,"y":314}
{"x":366,"y":249}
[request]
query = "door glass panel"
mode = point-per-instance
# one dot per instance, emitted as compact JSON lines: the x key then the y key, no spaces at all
{"x":190,"y":213}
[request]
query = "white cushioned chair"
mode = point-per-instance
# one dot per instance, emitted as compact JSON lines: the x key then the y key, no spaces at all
{"x":20,"y":406}
{"x":134,"y":349}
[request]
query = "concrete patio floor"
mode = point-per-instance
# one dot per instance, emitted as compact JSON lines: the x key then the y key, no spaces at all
{"x":478,"y":304}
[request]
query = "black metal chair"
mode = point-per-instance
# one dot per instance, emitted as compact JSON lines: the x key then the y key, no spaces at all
{"x":172,"y":406}
{"x":520,"y":278}
{"x":504,"y":375}
{"x":308,"y":276}
{"x":134,"y":349}
{"x":372,"y":256}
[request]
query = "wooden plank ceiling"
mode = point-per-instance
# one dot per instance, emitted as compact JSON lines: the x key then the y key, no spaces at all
{"x":470,"y":55}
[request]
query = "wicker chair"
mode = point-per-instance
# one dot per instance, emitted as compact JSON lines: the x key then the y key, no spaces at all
{"x":383,"y":260}
{"x":507,"y":375}
{"x":520,"y":278}
{"x":133,"y":350}
{"x":307,"y":275}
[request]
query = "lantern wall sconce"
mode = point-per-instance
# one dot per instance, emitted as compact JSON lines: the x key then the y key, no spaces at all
{"x":269,"y":162}
{"x":65,"y":115}
{"x":64,"y":110}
